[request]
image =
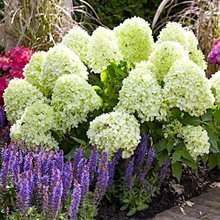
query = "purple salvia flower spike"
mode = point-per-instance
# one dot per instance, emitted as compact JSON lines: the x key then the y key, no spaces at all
{"x":129,"y":173}
{"x":75,"y":201}
{"x":85,"y":181}
{"x":55,"y":204}
{"x":150,"y":157}
{"x":59,"y":158}
{"x":141,"y":151}
{"x":5,"y":164}
{"x":93,"y":162}
{"x":77,"y":158}
{"x":80,"y":168}
{"x":163,"y":172}
{"x":28,"y":161}
{"x":102,"y":178}
{"x":2,"y":117}
{"x":111,"y":170}
{"x":67,"y":179}
{"x":24,"y":194}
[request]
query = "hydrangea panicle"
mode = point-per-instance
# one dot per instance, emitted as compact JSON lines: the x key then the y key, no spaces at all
{"x":60,"y":60}
{"x":103,"y":50}
{"x":73,"y":98}
{"x":115,"y":131}
{"x":77,"y":40}
{"x":187,"y":88}
{"x":135,"y":39}
{"x":19,"y":95}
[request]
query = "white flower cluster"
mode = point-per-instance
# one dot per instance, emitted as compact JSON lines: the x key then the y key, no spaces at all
{"x":215,"y":84}
{"x":103,"y":50}
{"x":135,"y":39}
{"x":142,"y":94}
{"x":175,"y":32}
{"x":33,"y":69}
{"x":77,"y":40}
{"x":196,"y":140}
{"x":115,"y":131}
{"x":171,"y":129}
{"x":73,"y":98}
{"x":60,"y":60}
{"x":19,"y":95}
{"x":163,"y":57}
{"x":187,"y":88}
{"x":35,"y":125}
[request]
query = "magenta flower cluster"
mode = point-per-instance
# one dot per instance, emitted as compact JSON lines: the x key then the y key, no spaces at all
{"x":214,"y":55}
{"x":44,"y":180}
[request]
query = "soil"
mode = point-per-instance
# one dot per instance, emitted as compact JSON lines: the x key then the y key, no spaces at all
{"x":171,"y":194}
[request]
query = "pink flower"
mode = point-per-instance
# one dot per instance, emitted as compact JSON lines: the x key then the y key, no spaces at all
{"x":214,"y":54}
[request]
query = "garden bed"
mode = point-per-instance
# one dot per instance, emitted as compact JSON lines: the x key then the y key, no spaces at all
{"x":172,"y":193}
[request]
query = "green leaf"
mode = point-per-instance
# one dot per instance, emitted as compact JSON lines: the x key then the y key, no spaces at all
{"x":190,"y":163}
{"x":175,"y":113}
{"x":207,"y":116}
{"x":177,"y":170}
{"x":217,"y":115}
{"x":161,"y":145}
{"x":189,"y":120}
{"x":142,"y":207}
{"x":124,"y":207}
{"x":162,"y":157}
{"x":132,"y":212}
{"x":214,"y":140}
{"x":104,"y":77}
{"x":80,"y":141}
{"x":212,"y":161}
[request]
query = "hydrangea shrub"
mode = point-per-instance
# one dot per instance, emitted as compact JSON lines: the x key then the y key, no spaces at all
{"x":109,"y":90}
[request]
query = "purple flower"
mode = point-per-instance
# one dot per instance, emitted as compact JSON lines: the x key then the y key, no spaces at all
{"x":129,"y":173}
{"x":77,"y":158}
{"x":111,"y":166}
{"x":164,"y":170}
{"x":28,"y":161}
{"x":75,"y":201}
{"x":85,"y":181}
{"x":2,"y":117}
{"x":67,"y":179}
{"x":5,"y":164}
{"x":141,"y":151}
{"x":150,"y":157}
{"x":45,"y":192}
{"x":59,"y":158}
{"x":102,"y":178}
{"x":80,"y":168}
{"x":93,"y":162}
{"x":55,"y":175}
{"x":24,"y":193}
{"x":214,"y":55}
{"x":55,"y":203}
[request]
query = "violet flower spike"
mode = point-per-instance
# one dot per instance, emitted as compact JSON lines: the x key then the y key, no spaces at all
{"x":5,"y":165}
{"x":28,"y":161}
{"x":80,"y":168}
{"x":141,"y":152}
{"x":2,"y":117}
{"x":164,"y":170}
{"x":150,"y":157}
{"x":129,"y":173}
{"x":45,"y":192}
{"x":24,"y":194}
{"x":59,"y":158}
{"x":85,"y":180}
{"x":75,"y":201}
{"x":56,"y":197}
{"x":93,"y":162}
{"x":77,"y":157}
{"x":102,"y":178}
{"x":67,"y":179}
